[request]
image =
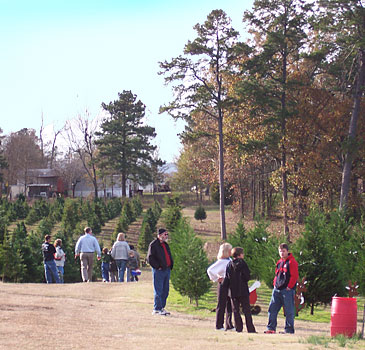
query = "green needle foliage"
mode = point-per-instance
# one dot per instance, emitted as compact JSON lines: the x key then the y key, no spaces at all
{"x":200,"y":214}
{"x":189,"y":276}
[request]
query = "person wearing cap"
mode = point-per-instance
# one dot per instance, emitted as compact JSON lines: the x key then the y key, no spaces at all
{"x":160,"y":258}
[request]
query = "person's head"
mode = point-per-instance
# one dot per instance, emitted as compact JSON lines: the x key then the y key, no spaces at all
{"x":237,"y":252}
{"x":162,"y":234}
{"x":121,"y":236}
{"x":224,"y":251}
{"x":47,"y":238}
{"x":88,"y":230}
{"x":131,"y":253}
{"x":283,"y":250}
{"x":105,"y":250}
{"x":58,"y":243}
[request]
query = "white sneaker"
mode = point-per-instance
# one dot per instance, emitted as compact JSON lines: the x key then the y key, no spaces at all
{"x":219,"y":329}
{"x":164,"y":312}
{"x":156,"y":312}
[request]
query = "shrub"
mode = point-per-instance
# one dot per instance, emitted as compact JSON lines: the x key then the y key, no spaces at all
{"x":70,"y":216}
{"x":172,"y":214}
{"x":157,"y":210}
{"x":261,"y":250}
{"x":314,"y":252}
{"x":137,"y":206}
{"x":145,"y":237}
{"x":114,"y":207}
{"x":189,"y":276}
{"x":200,"y":214}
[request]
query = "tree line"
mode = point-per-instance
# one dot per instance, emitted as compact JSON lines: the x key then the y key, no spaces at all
{"x":23,"y":227}
{"x":280,"y":114}
{"x":117,"y":144}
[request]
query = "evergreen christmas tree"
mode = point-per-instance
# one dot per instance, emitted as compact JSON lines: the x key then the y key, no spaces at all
{"x":189,"y":275}
{"x":145,"y":237}
{"x":200,"y":214}
{"x":316,"y":261}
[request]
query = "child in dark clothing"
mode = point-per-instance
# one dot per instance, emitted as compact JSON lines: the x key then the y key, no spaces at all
{"x":132,"y":265}
{"x":113,"y":270}
{"x":105,"y":260}
{"x":237,"y":277}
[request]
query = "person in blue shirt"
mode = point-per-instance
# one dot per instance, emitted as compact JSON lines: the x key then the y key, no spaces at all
{"x":86,"y":247}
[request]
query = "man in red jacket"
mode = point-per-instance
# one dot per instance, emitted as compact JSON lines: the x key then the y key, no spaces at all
{"x":285,"y":281}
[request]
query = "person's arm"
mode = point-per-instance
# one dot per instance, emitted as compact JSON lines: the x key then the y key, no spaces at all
{"x":226,"y":281}
{"x":245,"y":273}
{"x":294,"y":274}
{"x":151,"y":257}
{"x":215,"y":271}
{"x":78,"y":248}
{"x":97,"y":248}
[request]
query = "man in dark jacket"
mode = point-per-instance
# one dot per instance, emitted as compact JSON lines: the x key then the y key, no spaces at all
{"x":237,"y":277}
{"x":285,"y":281}
{"x":160,"y":258}
{"x":50,"y":268}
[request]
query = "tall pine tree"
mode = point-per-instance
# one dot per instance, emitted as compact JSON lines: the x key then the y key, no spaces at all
{"x":201,"y":86}
{"x":279,"y":28}
{"x":124,"y":142}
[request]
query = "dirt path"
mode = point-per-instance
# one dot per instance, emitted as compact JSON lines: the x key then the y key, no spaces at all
{"x":118,"y":316}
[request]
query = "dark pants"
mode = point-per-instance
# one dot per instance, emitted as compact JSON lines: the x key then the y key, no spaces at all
{"x":224,"y":306}
{"x":245,"y":302}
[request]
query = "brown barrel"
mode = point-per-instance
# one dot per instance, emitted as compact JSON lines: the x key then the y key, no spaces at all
{"x":343,"y":316}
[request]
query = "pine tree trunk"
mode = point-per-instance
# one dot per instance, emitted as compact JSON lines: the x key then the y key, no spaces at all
{"x":284,"y":173}
{"x":124,"y":185}
{"x":346,"y":172}
{"x":221,"y":179}
{"x":253,"y":189}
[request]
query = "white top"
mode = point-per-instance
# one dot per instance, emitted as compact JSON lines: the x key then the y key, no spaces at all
{"x":120,"y":250}
{"x":60,"y":256}
{"x":218,"y":269}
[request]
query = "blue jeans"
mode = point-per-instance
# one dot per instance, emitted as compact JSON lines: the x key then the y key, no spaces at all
{"x":50,"y":270}
{"x":61,"y":272}
{"x":281,"y":298}
{"x":105,"y":271}
{"x":161,"y":284}
{"x":121,"y":265}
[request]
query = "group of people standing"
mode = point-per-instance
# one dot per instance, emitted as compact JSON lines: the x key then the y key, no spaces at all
{"x":121,"y":259}
{"x":232,"y":276}
{"x":230,"y":271}
{"x":54,"y":259}
{"x":122,"y":255}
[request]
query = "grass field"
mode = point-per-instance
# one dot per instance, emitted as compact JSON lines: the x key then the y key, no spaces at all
{"x":118,"y":316}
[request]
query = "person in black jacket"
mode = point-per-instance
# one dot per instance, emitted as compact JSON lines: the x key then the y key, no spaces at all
{"x":237,"y":277}
{"x":50,"y":268}
{"x":160,"y":258}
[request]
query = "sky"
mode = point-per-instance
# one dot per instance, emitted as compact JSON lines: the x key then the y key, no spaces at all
{"x":60,"y":58}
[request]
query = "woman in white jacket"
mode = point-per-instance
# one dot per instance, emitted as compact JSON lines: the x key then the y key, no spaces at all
{"x":59,"y":258}
{"x":216,"y":273}
{"x":120,"y":253}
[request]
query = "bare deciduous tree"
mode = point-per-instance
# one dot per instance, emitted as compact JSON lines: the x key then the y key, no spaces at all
{"x":80,"y":135}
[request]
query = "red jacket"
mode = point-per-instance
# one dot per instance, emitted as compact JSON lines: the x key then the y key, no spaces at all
{"x":286,"y":273}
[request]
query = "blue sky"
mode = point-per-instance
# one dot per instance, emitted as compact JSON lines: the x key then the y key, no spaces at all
{"x":59,"y":58}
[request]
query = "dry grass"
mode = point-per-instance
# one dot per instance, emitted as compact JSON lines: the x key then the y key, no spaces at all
{"x":118,"y":316}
